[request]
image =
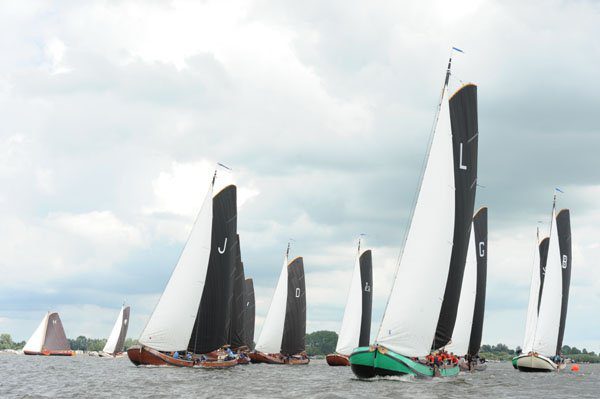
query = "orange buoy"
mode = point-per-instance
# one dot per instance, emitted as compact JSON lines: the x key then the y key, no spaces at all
{"x":575,"y":367}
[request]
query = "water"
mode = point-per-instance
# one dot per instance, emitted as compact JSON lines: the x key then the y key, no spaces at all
{"x":89,"y":377}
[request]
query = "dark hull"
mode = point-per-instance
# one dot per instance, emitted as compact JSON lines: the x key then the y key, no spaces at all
{"x":259,"y":357}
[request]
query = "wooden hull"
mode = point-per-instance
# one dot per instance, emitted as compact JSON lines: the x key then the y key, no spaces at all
{"x":535,"y":363}
{"x":294,"y":361}
{"x":335,"y":359}
{"x":259,"y":357}
{"x":276,"y":358}
{"x":370,"y":362}
{"x":50,"y":353}
{"x":243,"y":360}
{"x":144,"y":356}
{"x":474,"y":366}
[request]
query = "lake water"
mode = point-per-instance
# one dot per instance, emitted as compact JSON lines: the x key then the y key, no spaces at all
{"x":89,"y":377}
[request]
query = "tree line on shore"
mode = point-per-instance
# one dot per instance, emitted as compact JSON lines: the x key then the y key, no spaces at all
{"x":320,"y":343}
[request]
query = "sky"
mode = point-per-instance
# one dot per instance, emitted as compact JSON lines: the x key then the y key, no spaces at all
{"x":114,"y":114}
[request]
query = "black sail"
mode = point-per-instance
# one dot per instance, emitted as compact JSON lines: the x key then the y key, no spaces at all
{"x":55,"y":339}
{"x":123,"y":334}
{"x":294,"y":329}
{"x":211,"y":328}
{"x":249,"y":313}
{"x":543,"y":259}
{"x":366,"y":279}
{"x":480,"y":227}
{"x":563,"y":226}
{"x":236,"y":329}
{"x":463,"y":119}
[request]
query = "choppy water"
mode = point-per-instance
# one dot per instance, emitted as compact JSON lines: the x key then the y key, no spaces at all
{"x":88,"y":377}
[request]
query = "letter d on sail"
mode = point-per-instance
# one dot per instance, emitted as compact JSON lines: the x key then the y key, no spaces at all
{"x":222,"y":251}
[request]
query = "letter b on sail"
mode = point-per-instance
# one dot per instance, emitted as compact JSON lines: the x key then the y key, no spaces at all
{"x":564,"y":261}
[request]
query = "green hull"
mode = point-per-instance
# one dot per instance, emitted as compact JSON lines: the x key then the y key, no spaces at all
{"x":514,"y":362}
{"x":372,"y":362}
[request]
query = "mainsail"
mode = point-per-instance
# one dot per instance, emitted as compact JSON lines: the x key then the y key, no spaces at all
{"x":116,"y":340}
{"x":563,"y":227}
{"x":356,"y":323}
{"x":269,"y":340}
{"x":466,"y":307}
{"x":543,"y":260}
{"x":172,"y":321}
{"x":463,"y":117}
{"x":546,"y":332}
{"x":236,"y":330}
{"x":211,"y":328}
{"x":249,"y":313}
{"x":480,"y":226}
{"x":410,"y":318}
{"x":294,"y":330}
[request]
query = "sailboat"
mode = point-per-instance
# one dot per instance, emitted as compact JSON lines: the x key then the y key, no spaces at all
{"x":356,"y":324}
{"x":545,"y":327}
{"x":466,"y":338}
{"x":421,"y":311}
{"x":49,"y":338}
{"x":193,"y":314}
{"x":116,"y":341}
{"x":282,"y":338}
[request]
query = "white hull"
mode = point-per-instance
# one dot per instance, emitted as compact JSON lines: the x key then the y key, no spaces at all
{"x":535,"y":363}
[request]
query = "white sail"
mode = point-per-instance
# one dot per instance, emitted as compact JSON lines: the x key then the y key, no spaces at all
{"x":351,"y":323}
{"x":410,"y":320}
{"x":461,"y":336}
{"x":532,"y":308}
{"x":271,"y":334}
{"x":36,"y":341}
{"x":113,"y":339}
{"x":546,"y":332}
{"x":171,"y":323}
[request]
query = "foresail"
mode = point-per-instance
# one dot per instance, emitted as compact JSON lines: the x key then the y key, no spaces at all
{"x":36,"y":341}
{"x":249,"y":313}
{"x":113,"y":338}
{"x":172,"y":321}
{"x":532,"y":308}
{"x":351,"y":322}
{"x":271,"y":334}
{"x":409,"y":322}
{"x":543,"y":260}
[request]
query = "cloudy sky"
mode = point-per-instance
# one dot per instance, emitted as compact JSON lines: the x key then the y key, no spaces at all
{"x":113,"y":114}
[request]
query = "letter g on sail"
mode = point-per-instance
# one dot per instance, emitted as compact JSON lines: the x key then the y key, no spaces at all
{"x":481,"y":249}
{"x":222,"y":251}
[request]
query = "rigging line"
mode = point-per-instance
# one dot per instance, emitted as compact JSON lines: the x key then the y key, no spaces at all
{"x":416,"y":196}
